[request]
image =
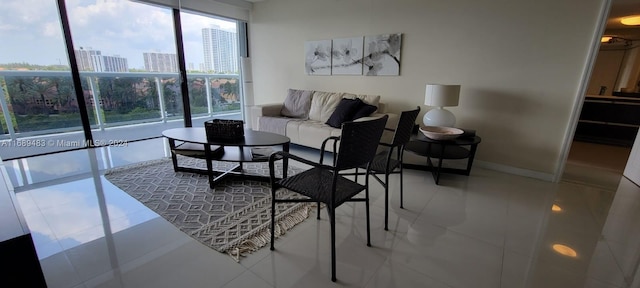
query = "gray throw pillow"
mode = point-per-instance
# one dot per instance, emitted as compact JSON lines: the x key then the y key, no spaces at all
{"x":297,"y":104}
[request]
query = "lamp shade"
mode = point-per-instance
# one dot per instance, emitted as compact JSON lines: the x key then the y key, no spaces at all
{"x":442,"y":95}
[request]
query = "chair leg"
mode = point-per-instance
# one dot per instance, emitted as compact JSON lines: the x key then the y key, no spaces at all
{"x":366,"y":203}
{"x":401,"y":190}
{"x":386,"y":201}
{"x":332,"y":220}
{"x":318,"y":206}
{"x":273,"y":221}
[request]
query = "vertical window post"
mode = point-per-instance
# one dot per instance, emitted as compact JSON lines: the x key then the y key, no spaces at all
{"x":75,"y":74}
{"x":182,"y":68}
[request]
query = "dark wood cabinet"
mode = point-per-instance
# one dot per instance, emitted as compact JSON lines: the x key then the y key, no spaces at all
{"x":609,"y":120}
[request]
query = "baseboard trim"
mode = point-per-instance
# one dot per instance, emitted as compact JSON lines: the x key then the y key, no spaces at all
{"x":417,"y":162}
{"x":514,"y":170}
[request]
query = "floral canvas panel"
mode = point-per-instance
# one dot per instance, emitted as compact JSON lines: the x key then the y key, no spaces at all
{"x":346,"y":56}
{"x":382,"y":54}
{"x":318,"y":57}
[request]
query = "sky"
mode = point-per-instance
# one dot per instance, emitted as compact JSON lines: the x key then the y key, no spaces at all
{"x":115,"y":27}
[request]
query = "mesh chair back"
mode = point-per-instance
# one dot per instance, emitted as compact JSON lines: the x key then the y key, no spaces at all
{"x":405,"y":126}
{"x":359,"y":142}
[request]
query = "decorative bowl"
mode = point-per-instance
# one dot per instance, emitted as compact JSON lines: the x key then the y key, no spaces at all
{"x":440,"y":133}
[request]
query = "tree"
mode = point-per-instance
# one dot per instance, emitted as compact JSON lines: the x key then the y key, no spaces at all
{"x":230,"y":88}
{"x":198,"y":92}
{"x":43,"y":89}
{"x":17,"y":93}
{"x":171,"y":95}
{"x":121,"y":92}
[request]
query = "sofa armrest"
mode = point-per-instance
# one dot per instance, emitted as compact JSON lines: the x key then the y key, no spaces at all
{"x":258,"y":111}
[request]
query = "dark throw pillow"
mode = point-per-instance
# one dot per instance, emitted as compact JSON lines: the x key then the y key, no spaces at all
{"x":344,"y":112}
{"x":364,"y":110}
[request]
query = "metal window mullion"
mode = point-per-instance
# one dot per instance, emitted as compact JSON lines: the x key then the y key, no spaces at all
{"x":182,"y":67}
{"x":161,"y":100}
{"x":75,"y":73}
{"x":207,"y":86}
{"x":96,"y":102}
{"x":243,"y":51}
{"x":7,"y":116}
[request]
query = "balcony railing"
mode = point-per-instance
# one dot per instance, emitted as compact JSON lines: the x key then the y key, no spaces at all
{"x":44,"y":102}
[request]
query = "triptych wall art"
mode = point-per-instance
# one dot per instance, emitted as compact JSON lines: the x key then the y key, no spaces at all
{"x":377,"y":55}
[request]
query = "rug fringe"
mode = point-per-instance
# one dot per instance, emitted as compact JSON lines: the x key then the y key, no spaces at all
{"x":263,"y":237}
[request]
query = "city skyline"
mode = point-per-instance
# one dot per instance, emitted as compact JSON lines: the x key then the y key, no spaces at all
{"x":93,"y":60}
{"x":160,"y":62}
{"x":123,"y":28}
{"x":220,"y":49}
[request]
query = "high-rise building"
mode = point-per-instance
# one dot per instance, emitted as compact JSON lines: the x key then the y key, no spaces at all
{"x":160,"y":62}
{"x":220,"y":50}
{"x":93,"y":60}
{"x":84,"y":58}
{"x":110,"y":64}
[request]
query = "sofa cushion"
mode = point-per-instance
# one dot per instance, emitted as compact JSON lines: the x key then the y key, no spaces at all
{"x":364,"y":110}
{"x":312,"y":133}
{"x":297,"y":104}
{"x":293,"y":131}
{"x":276,"y":125}
{"x":323,"y":104}
{"x":344,"y":112}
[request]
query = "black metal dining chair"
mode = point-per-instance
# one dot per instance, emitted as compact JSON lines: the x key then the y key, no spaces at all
{"x":356,"y":147}
{"x":385,"y":163}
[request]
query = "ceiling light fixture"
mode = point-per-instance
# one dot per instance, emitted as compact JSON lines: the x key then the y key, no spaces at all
{"x":631,"y":20}
{"x":615,"y":40}
{"x":556,"y":208}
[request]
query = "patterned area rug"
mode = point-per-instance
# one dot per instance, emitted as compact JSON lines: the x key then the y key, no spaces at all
{"x":233,"y":218}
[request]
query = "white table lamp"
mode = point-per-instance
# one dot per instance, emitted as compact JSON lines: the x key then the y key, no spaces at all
{"x":440,"y":96}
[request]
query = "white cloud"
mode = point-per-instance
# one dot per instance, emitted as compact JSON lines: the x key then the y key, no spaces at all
{"x":44,"y":165}
{"x":52,"y":29}
{"x":25,"y":12}
{"x":9,"y":27}
{"x":75,"y":214}
{"x":116,"y":27}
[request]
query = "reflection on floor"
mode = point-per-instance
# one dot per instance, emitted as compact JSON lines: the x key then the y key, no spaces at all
{"x":596,"y":164}
{"x":489,"y":229}
{"x":609,"y":157}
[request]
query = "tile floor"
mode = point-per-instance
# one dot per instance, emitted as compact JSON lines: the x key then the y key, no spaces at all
{"x":487,"y":230}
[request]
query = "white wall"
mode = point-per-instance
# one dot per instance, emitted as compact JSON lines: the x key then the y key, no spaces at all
{"x":629,"y":70}
{"x":632,"y":170}
{"x":520,"y":63}
{"x":605,"y":72}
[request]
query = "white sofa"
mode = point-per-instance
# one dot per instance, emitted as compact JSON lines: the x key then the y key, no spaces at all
{"x":303,"y":115}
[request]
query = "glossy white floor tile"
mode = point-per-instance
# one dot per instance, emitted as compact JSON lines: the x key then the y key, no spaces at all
{"x":489,"y":229}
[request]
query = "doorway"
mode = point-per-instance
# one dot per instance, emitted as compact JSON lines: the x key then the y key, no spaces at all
{"x":609,"y":118}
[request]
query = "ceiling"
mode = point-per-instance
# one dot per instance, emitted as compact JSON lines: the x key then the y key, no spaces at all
{"x":619,"y":9}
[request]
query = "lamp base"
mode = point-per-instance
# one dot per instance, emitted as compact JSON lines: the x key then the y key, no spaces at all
{"x":439,"y":117}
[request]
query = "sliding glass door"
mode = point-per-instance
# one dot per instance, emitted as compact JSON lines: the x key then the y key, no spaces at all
{"x":127,"y":57}
{"x":37,"y":96}
{"x":212,"y":61}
